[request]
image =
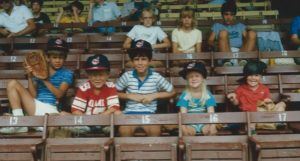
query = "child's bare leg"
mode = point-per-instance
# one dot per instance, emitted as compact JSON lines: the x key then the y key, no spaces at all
{"x":188,"y":130}
{"x":152,"y":130}
{"x":224,"y":41}
{"x":18,"y":96}
{"x":126,"y":131}
{"x":249,"y":42}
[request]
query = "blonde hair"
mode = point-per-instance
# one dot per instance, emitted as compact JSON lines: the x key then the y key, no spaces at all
{"x":204,"y":93}
{"x":187,"y":12}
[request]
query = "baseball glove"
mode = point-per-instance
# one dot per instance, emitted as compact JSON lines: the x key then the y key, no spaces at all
{"x":37,"y":61}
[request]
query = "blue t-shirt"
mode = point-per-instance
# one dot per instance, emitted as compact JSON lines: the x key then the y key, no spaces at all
{"x":194,"y":105}
{"x":295,"y":26}
{"x":235,"y":33}
{"x":44,"y":94}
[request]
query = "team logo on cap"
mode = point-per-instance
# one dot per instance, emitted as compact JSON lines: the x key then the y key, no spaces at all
{"x":58,"y":41}
{"x":191,"y":65}
{"x":95,"y":61}
{"x":139,"y":44}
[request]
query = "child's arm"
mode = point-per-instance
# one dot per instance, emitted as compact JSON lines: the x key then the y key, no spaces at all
{"x":175,"y":48}
{"x":159,"y":95}
{"x":198,"y":47}
{"x":131,"y":96}
{"x":232,"y":98}
{"x":210,"y":109}
{"x":165,"y":44}
{"x":127,"y":43}
{"x":60,"y":14}
{"x":58,"y":92}
{"x":31,"y":84}
{"x":211,"y":39}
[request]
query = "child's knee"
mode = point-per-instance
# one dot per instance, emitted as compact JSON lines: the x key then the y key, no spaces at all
{"x":153,"y":130}
{"x":188,"y":131}
{"x":125,"y":131}
{"x":223,"y":34}
{"x":12,"y":84}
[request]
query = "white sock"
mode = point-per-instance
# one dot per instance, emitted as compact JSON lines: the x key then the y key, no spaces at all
{"x":18,"y":112}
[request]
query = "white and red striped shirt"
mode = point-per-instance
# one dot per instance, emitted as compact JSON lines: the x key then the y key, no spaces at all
{"x":90,"y":103}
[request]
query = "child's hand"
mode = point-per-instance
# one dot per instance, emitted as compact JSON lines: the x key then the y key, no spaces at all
{"x":28,"y":70}
{"x":231,"y":97}
{"x":148,"y":98}
{"x":136,"y":97}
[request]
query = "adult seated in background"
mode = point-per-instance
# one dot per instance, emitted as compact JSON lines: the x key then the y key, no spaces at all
{"x":295,"y":33}
{"x":71,"y":13}
{"x":132,"y":10}
{"x":39,"y":17}
{"x":232,"y":36}
{"x":103,"y":11}
{"x":15,"y":20}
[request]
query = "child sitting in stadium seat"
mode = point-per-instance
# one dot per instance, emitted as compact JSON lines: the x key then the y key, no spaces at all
{"x":251,"y":93}
{"x":196,"y":98}
{"x":186,"y":38}
{"x":42,"y":96}
{"x":149,"y":33}
{"x":143,"y":87}
{"x":96,"y":95}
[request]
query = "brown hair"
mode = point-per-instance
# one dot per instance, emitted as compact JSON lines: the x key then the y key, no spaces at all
{"x":187,"y":12}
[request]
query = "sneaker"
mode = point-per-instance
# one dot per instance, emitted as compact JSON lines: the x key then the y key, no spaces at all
{"x":242,"y":62}
{"x":39,"y":129}
{"x":13,"y":130}
{"x":227,"y":64}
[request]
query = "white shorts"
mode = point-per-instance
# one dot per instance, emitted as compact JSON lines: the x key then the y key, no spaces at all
{"x":43,"y":108}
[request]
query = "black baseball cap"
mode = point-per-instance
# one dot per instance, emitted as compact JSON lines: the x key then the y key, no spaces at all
{"x":254,"y":67}
{"x":97,"y":62}
{"x":140,"y":48}
{"x":57,"y":44}
{"x":193,"y":66}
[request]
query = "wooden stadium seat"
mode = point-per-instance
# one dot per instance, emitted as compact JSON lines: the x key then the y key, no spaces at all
{"x":275,"y":147}
{"x":174,"y":59}
{"x":232,"y":70}
{"x":281,"y":69}
{"x":110,"y":41}
{"x":77,"y":41}
{"x":30,"y":42}
{"x":79,"y":148}
{"x":16,"y":148}
{"x":229,"y":147}
{"x":146,"y":148}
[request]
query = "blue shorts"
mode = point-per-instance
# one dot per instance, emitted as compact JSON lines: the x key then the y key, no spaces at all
{"x":198,"y":127}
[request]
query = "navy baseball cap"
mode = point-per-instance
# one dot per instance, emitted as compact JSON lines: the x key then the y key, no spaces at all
{"x":193,"y":66}
{"x":57,"y":44}
{"x":97,"y":62}
{"x":254,"y":67}
{"x":140,"y":48}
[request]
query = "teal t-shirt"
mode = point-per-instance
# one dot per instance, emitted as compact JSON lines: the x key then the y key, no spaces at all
{"x":194,"y":105}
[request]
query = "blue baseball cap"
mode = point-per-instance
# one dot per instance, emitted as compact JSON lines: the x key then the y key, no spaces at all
{"x":97,"y":62}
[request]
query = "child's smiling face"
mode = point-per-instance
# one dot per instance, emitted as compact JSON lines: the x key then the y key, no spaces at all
{"x":195,"y":79}
{"x":253,"y":80}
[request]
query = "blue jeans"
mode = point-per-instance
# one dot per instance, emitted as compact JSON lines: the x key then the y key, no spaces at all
{"x":108,"y":30}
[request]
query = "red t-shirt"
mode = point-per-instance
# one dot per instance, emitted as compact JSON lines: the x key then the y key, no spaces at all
{"x":89,"y":103}
{"x":248,"y":98}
